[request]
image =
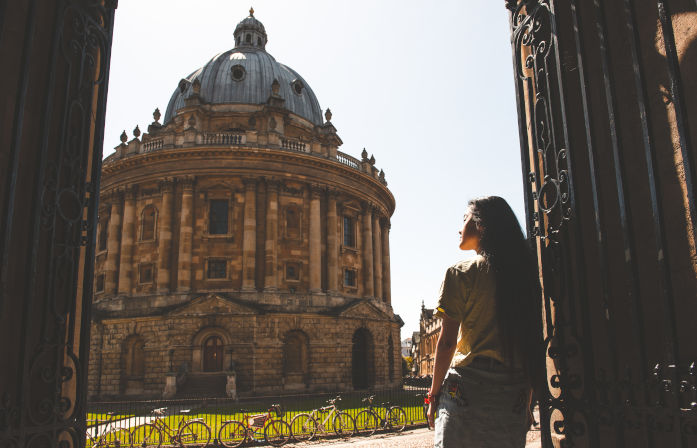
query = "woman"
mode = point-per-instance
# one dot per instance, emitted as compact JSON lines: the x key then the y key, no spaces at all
{"x":490,"y":351}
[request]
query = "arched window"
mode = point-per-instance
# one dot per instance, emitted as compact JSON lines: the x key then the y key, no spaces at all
{"x":293,"y":221}
{"x":147,"y":223}
{"x":362,"y":362}
{"x":213,"y":354}
{"x":248,"y":38}
{"x":295,"y":353}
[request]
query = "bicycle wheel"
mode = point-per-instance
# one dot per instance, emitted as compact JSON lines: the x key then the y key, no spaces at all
{"x":344,"y":426}
{"x":89,"y":440}
{"x":232,"y":434}
{"x":396,"y":419}
{"x":277,"y":433}
{"x":116,"y":438}
{"x":303,"y":427}
{"x":146,"y":436}
{"x":194,"y":434}
{"x":366,"y":423}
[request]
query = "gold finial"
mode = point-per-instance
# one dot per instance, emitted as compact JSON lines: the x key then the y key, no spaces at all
{"x":251,"y":11}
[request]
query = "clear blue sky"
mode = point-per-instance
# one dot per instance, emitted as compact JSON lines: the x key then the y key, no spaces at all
{"x":426,"y":87}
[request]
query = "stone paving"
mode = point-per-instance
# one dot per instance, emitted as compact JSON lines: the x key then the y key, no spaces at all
{"x":414,"y":438}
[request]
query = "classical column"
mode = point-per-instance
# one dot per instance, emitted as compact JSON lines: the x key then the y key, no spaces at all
{"x":271,"y":247}
{"x":249,"y":239}
{"x":128,"y":234}
{"x":386,"y":285}
{"x":186,"y":234}
{"x":332,"y":244}
{"x":113,"y":245}
{"x":315,"y":241}
{"x":377,"y":255}
{"x":369,"y":291}
{"x":164,"y":235}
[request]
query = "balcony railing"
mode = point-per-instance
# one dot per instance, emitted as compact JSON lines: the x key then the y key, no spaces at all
{"x":153,"y":145}
{"x":222,"y":138}
{"x":294,"y":145}
{"x":347,"y":160}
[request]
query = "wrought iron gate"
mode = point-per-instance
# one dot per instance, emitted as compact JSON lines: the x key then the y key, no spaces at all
{"x":54,"y":83}
{"x":607,"y":105}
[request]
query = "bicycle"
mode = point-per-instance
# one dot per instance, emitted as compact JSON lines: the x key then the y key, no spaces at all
{"x":369,"y":420}
{"x":276,"y":432}
{"x":305,"y":426}
{"x":110,"y":437}
{"x":189,"y":432}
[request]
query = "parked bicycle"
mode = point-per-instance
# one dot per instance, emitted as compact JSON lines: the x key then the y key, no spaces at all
{"x":306,"y":426}
{"x":109,"y":436}
{"x":256,"y":427}
{"x":369,"y":420}
{"x":190,"y":432}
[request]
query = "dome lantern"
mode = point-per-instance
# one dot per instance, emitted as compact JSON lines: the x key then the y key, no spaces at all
{"x":250,"y":32}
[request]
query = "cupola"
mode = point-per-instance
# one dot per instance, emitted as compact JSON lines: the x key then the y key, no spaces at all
{"x":250,"y":33}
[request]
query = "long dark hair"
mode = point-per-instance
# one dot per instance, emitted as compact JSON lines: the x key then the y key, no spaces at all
{"x":518,"y":298}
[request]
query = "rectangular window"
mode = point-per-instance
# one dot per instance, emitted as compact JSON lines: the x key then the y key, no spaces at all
{"x":349,"y":232}
{"x":101,"y":243}
{"x":218,"y":217}
{"x":292,"y":271}
{"x":350,"y":278}
{"x":145,"y":274}
{"x":217,"y":269}
{"x":99,"y":287}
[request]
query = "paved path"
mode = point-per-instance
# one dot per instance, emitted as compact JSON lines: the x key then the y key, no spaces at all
{"x":414,"y":438}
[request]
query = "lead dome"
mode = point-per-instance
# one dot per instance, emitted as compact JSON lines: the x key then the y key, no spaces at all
{"x":245,"y":75}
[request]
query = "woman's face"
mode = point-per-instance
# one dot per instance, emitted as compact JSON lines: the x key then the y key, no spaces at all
{"x":469,"y":235}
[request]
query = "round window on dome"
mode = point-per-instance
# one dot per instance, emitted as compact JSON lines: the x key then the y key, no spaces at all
{"x":298,"y":86}
{"x":237,"y":72}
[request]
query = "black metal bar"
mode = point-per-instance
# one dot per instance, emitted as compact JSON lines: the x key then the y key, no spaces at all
{"x":13,"y":156}
{"x":681,"y":115}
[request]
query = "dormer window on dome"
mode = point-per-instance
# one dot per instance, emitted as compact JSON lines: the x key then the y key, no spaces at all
{"x":250,"y":33}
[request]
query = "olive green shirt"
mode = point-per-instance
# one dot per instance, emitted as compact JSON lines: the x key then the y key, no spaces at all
{"x":467,"y":295}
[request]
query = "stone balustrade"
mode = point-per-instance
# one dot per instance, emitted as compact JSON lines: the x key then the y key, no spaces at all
{"x":294,"y":145}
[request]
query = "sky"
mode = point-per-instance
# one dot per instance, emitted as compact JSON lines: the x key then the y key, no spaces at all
{"x":425,"y":87}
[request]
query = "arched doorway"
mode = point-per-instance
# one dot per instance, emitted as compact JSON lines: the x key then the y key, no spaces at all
{"x":361,"y":359}
{"x":213,"y":354}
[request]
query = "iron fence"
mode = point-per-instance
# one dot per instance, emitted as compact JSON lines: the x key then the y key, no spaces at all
{"x":131,"y":414}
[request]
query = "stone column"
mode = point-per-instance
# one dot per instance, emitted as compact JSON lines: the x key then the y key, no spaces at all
{"x":113,"y":245}
{"x":186,"y":235}
{"x":386,"y":285}
{"x":332,"y":244}
{"x":315,"y":241}
{"x":377,"y":255}
{"x":249,"y":239}
{"x":369,"y":291}
{"x":128,"y":234}
{"x":164,"y":236}
{"x":271,"y":248}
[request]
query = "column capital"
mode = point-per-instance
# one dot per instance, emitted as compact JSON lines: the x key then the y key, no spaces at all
{"x":187,"y":182}
{"x":250,"y":183}
{"x":366,"y":207}
{"x":272,"y":184}
{"x":167,"y":185}
{"x":316,"y":191}
{"x":131,"y":191}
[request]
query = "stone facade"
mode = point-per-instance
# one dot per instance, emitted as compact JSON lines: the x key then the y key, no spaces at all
{"x":237,"y":237}
{"x":425,"y":341}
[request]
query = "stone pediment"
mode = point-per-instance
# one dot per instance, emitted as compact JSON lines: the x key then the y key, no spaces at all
{"x":364,"y":310}
{"x":211,"y":304}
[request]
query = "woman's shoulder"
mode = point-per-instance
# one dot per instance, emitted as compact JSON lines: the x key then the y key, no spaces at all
{"x":472,"y":265}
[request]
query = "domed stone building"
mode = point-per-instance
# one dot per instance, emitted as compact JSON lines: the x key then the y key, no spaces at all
{"x":238,"y":248}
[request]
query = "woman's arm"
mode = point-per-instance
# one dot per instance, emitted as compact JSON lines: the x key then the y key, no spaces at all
{"x":447,"y":342}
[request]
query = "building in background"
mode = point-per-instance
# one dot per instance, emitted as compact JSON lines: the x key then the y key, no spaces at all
{"x":425,"y":345}
{"x":238,"y":248}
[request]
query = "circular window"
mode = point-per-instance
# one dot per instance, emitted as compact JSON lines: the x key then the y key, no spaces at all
{"x":298,"y":86}
{"x":237,"y":72}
